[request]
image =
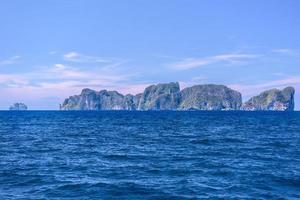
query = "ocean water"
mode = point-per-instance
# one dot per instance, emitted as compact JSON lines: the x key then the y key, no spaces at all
{"x":149,"y":155}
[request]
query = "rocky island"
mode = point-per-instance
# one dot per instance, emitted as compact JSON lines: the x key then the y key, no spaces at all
{"x":168,"y":96}
{"x":274,"y":99}
{"x":18,"y":107}
{"x":165,"y":96}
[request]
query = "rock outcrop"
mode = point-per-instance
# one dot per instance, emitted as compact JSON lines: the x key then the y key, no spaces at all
{"x":158,"y":97}
{"x":274,"y":99}
{"x":210,"y":97}
{"x":18,"y":107}
{"x":102,"y":100}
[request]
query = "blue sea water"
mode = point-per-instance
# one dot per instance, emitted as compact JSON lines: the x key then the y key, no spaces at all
{"x":149,"y":155}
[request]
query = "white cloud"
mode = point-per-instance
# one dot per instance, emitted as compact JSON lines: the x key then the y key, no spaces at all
{"x":53,"y":52}
{"x":283,"y":50}
{"x":255,"y":89}
{"x":60,"y":66}
{"x":12,"y":80}
{"x":59,"y":81}
{"x":193,"y":81}
{"x":278,"y":74}
{"x":80,"y":58}
{"x":287,"y":52}
{"x":10,"y":61}
{"x":65,"y":72}
{"x":190,"y":63}
{"x":60,"y":74}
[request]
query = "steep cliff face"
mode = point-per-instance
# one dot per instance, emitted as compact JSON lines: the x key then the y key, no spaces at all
{"x":160,"y":97}
{"x":103,"y":100}
{"x":155,"y":97}
{"x":18,"y":106}
{"x":169,"y":97}
{"x":210,"y":97}
{"x":274,"y":99}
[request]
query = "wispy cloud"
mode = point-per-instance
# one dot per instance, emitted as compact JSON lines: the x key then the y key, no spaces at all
{"x":53,"y":52}
{"x":58,"y":81}
{"x":63,"y":79}
{"x":60,"y":76}
{"x":190,"y":63}
{"x":254,"y":89}
{"x":12,"y":80}
{"x":66,"y":72}
{"x":80,"y":58}
{"x":283,"y":50}
{"x":193,"y":81}
{"x":10,"y":61}
{"x":286,"y":52}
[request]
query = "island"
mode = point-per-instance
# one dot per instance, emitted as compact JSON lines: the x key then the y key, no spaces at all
{"x":18,"y":107}
{"x":168,"y":96}
{"x":274,"y":99}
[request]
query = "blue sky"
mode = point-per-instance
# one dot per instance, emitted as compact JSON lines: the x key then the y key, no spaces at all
{"x":51,"y":49}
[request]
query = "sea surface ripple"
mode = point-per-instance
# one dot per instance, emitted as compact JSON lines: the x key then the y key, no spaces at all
{"x":149,"y":155}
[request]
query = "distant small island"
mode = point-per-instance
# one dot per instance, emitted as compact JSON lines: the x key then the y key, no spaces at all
{"x":168,"y":96}
{"x":18,"y":107}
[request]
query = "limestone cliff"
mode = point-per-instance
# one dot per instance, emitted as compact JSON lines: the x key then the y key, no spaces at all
{"x":160,"y":97}
{"x":102,"y":100}
{"x":274,"y":99}
{"x":168,"y":96}
{"x":210,"y":97}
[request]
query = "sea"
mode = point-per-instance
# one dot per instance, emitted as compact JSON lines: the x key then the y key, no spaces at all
{"x":83,"y":155}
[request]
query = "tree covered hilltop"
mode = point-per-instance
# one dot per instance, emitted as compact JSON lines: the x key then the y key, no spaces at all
{"x":168,"y":96}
